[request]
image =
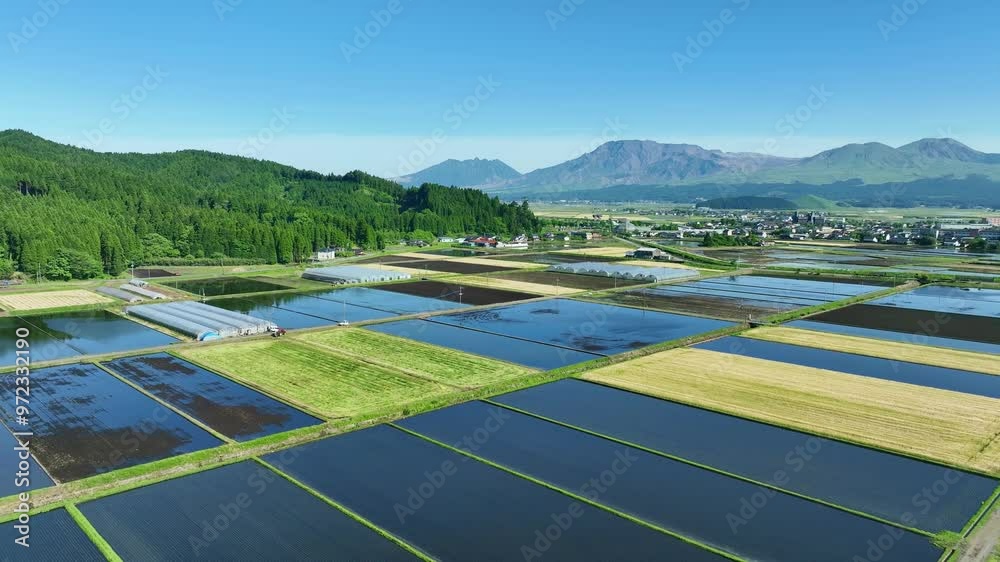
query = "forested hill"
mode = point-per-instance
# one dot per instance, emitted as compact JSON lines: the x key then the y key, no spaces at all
{"x":60,"y":203}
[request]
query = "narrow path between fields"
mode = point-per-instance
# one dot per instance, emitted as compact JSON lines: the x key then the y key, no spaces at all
{"x":982,"y":543}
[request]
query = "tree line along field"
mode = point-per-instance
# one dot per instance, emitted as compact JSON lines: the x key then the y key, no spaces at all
{"x":949,"y":427}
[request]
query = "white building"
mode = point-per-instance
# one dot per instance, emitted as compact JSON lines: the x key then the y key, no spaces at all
{"x":323,"y":255}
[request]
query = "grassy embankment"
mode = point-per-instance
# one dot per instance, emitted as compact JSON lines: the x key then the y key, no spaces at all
{"x":953,"y":428}
{"x":827,"y":306}
{"x":896,"y":351}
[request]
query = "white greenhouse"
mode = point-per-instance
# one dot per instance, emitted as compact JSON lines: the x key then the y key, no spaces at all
{"x":119,"y":294}
{"x":620,"y":271}
{"x":345,"y":274}
{"x":142,"y":291}
{"x":201,"y":321}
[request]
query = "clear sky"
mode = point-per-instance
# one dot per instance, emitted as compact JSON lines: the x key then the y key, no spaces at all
{"x":373,"y":84}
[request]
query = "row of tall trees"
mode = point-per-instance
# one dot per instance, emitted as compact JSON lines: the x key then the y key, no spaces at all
{"x":62,"y":206}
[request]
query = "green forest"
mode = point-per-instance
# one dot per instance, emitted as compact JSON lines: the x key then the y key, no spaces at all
{"x":67,"y":212}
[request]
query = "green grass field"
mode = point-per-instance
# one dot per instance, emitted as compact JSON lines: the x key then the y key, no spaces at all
{"x":420,"y":359}
{"x":331,"y":385}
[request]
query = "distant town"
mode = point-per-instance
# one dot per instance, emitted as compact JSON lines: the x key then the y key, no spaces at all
{"x":711,"y":227}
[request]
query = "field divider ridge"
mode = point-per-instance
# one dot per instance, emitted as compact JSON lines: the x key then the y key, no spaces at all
{"x":572,"y":495}
{"x":346,"y":511}
{"x":711,"y":469}
{"x":88,"y":529}
{"x":797,"y":314}
{"x":982,"y":515}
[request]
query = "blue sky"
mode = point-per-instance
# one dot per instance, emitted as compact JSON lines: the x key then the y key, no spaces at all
{"x":536,"y":81}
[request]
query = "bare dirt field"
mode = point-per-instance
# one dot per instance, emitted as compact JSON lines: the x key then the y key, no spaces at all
{"x":566,"y":280}
{"x":729,"y":309}
{"x":473,"y":295}
{"x":913,"y":321}
{"x":452,"y":266}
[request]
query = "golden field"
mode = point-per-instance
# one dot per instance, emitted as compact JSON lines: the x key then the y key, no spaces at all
{"x":896,"y":351}
{"x":51,"y":299}
{"x":954,"y":428}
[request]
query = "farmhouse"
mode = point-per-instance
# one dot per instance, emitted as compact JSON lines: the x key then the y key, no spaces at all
{"x":647,"y":253}
{"x":323,"y":254}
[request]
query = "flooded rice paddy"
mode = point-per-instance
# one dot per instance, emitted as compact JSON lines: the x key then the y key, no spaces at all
{"x":226,"y":406}
{"x":859,"y":478}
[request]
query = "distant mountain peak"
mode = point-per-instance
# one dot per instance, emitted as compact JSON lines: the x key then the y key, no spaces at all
{"x":474,"y":172}
{"x":948,"y":148}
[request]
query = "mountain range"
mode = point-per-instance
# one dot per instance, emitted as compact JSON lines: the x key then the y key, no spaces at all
{"x":620,"y":166}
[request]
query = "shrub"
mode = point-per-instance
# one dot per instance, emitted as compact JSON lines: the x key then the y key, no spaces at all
{"x":948,"y":539}
{"x":6,"y":268}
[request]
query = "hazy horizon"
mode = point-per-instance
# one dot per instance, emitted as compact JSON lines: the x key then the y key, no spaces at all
{"x":391,"y":87}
